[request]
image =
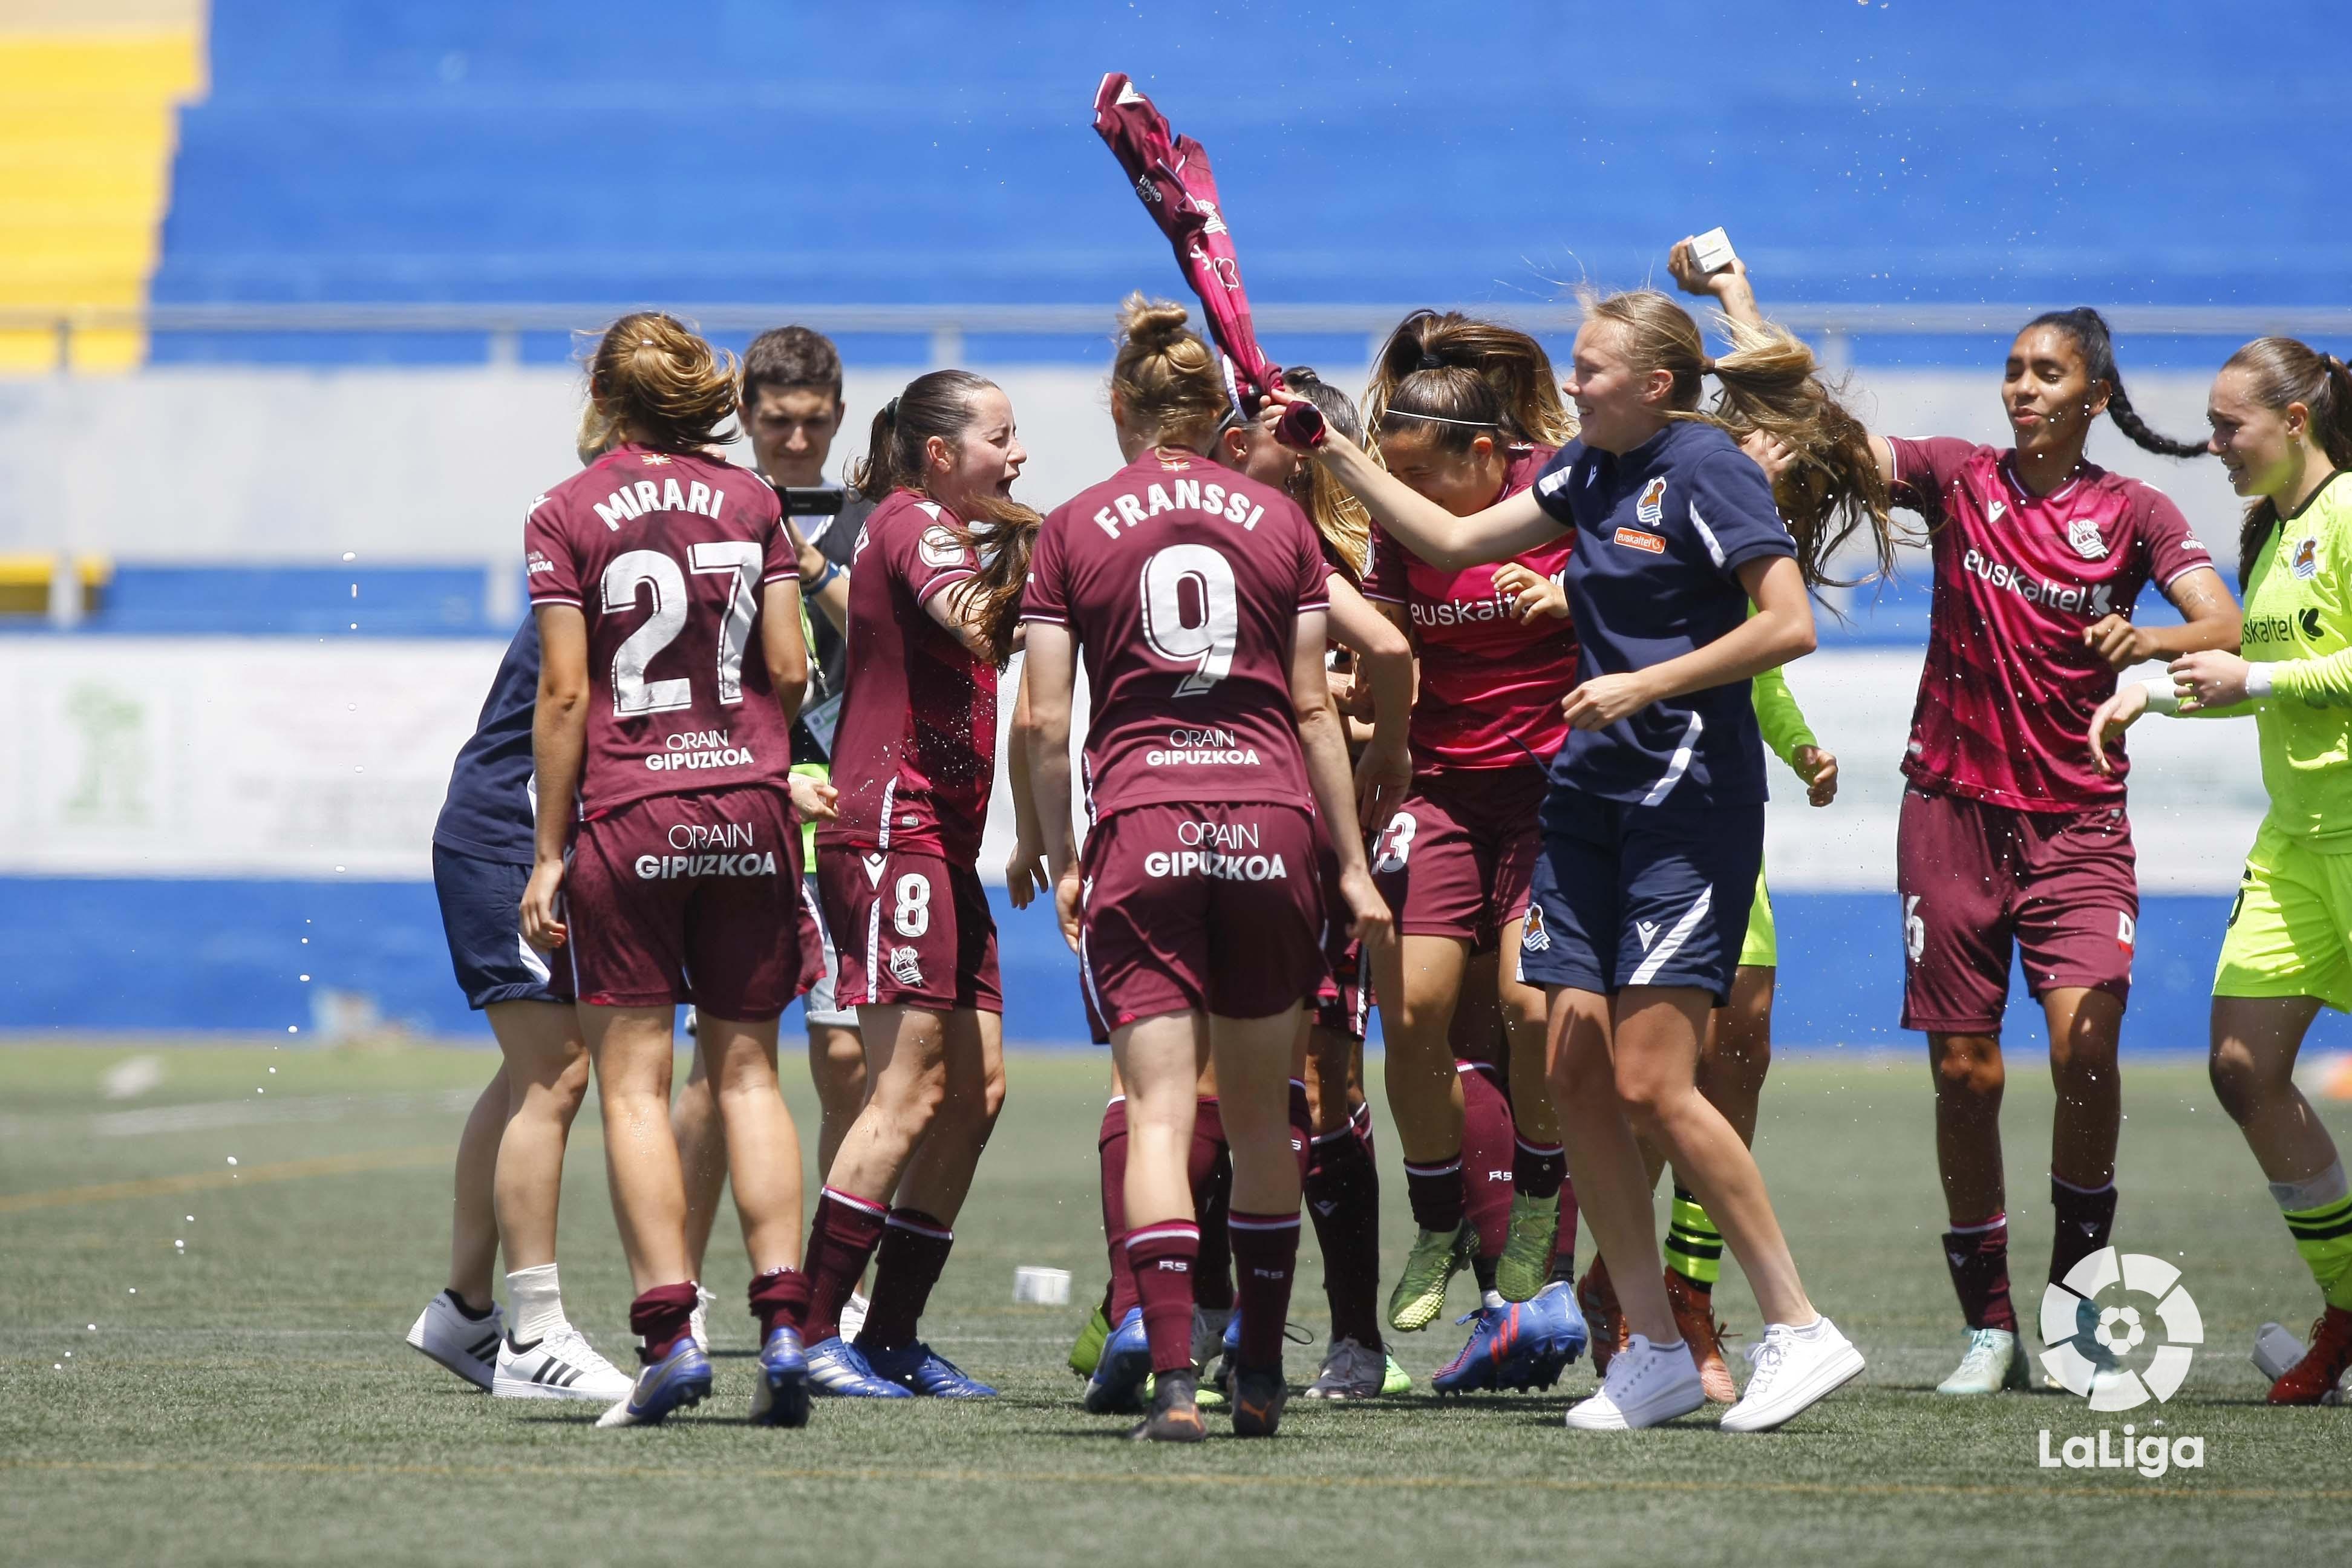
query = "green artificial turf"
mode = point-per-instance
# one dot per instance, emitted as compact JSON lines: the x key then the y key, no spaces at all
{"x":252,"y":1401}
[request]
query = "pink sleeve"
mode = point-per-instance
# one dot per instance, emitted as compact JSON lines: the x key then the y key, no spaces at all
{"x":1045,"y":596}
{"x":2173,"y":547}
{"x":552,"y":572}
{"x":1384,"y":579}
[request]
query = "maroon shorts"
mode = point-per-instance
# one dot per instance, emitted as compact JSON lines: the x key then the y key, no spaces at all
{"x":1343,"y":1002}
{"x":910,"y":930}
{"x":1208,"y":909}
{"x":1974,"y":878}
{"x":688,"y":898}
{"x":1456,"y":858}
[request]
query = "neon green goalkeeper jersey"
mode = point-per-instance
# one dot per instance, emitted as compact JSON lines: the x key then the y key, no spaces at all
{"x":2298,"y":624}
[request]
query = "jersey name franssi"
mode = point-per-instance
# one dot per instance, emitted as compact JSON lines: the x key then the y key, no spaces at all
{"x":634,"y":501}
{"x":1131,"y":507}
{"x":2093,"y":600}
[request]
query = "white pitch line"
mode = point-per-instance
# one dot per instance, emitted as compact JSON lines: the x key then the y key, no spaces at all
{"x":258,"y":1112}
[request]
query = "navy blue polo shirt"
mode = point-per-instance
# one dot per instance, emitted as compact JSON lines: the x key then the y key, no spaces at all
{"x":1661,"y":534}
{"x":488,"y":810}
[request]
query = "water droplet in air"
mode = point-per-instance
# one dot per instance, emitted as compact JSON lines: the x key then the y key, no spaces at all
{"x":293,"y":1028}
{"x":231,"y":1159}
{"x":351,"y":555}
{"x":302,"y":977}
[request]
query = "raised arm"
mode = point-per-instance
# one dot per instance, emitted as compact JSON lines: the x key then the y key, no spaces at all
{"x":1512,"y":526}
{"x":824,"y":582}
{"x":1735,"y":298}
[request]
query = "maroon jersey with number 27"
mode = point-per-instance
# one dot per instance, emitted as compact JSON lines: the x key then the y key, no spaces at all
{"x":1182,"y":583}
{"x":667,"y":555}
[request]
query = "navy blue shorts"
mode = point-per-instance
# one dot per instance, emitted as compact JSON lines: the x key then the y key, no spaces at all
{"x":1634,"y":895}
{"x":481,"y":905}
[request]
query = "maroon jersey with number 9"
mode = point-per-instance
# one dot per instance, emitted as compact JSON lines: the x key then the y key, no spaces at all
{"x":1182,"y":583}
{"x":667,"y":554}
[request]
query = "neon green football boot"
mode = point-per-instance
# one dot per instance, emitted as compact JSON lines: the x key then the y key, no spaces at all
{"x":1086,"y":1352}
{"x":1436,"y":1258}
{"x":1525,"y":1266}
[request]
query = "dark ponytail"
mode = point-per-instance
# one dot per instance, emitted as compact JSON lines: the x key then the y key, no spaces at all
{"x":1001,"y":532}
{"x":2279,"y":371}
{"x":2096,"y":342}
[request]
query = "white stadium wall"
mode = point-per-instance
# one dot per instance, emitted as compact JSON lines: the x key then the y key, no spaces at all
{"x":176,"y":814}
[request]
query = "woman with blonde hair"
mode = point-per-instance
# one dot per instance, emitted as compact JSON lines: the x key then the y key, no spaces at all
{"x":1653,"y":825}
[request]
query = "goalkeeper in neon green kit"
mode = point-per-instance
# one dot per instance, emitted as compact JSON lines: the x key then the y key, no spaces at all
{"x":2282,"y":417}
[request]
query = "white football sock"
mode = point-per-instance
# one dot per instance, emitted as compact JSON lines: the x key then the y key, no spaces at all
{"x":537,"y":1302}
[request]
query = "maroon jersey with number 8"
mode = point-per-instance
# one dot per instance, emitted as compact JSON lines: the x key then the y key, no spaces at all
{"x":667,"y":554}
{"x":1182,"y":583}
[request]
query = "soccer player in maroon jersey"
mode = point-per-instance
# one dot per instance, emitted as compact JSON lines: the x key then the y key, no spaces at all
{"x":667,"y":599}
{"x":2010,"y":836}
{"x":1197,"y":598}
{"x":914,"y":760}
{"x":1466,"y":413}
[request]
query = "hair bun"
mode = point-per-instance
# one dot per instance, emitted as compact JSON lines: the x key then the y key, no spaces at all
{"x":1153,"y":324}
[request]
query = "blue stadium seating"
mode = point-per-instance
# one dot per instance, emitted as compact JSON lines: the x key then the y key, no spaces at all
{"x":726,"y":150}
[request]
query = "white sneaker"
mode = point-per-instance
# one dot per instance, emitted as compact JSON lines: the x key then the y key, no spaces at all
{"x":852,"y":1315}
{"x":1352,"y":1371}
{"x":467,"y":1346}
{"x":1793,"y":1371}
{"x":1208,"y":1335}
{"x":563,"y":1365}
{"x":703,"y":1301}
{"x":1645,"y":1384}
{"x":1990,"y":1365}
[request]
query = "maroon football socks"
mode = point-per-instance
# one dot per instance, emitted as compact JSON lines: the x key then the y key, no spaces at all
{"x":660,"y":1318}
{"x":2086,"y":1219}
{"x":906,"y":1264}
{"x":779,"y":1299}
{"x":1162,"y":1256}
{"x":1978,"y":1256}
{"x":842,"y":1238}
{"x":1209,"y":1168}
{"x":1110,"y":1145}
{"x":1266,"y":1258}
{"x":1489,"y":1143}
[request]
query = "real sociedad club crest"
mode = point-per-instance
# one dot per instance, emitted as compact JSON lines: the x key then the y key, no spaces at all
{"x":1652,"y":506}
{"x":2083,"y":533}
{"x":2304,"y":562}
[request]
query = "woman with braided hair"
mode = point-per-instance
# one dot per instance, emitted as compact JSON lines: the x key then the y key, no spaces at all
{"x":2009,"y":835}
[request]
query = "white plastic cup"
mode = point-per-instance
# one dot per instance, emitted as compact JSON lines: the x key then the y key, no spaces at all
{"x":1041,"y":1286}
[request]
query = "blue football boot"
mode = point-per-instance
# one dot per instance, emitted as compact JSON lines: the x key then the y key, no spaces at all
{"x":838,"y":1369}
{"x":1540,"y":1338}
{"x":1472,"y":1367}
{"x":920,"y":1369}
{"x":780,"y":1396}
{"x":679,"y":1379}
{"x":1117,"y":1386}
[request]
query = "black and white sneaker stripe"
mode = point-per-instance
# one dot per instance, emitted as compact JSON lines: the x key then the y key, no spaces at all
{"x":550,"y":1371}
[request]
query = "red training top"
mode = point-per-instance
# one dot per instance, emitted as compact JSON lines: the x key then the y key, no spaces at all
{"x":1182,"y":583}
{"x":1487,"y":679}
{"x":667,"y":554}
{"x":915,"y":755}
{"x":2008,"y":691}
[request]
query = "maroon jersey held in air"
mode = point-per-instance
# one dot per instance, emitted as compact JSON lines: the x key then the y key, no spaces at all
{"x":1487,"y":679}
{"x":2008,"y":691}
{"x":667,"y":554}
{"x":1182,"y":583}
{"x":915,"y":755}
